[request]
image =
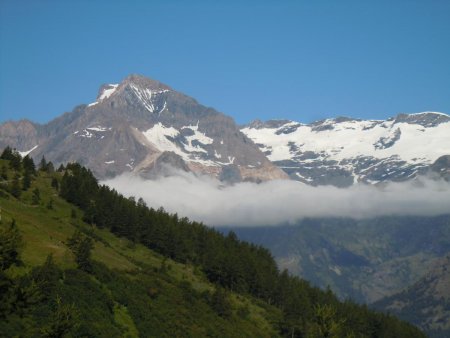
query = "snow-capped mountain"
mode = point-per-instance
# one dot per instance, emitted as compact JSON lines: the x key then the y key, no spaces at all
{"x":140,"y":125}
{"x":344,"y":151}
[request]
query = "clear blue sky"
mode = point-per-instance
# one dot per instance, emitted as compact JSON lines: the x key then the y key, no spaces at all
{"x":301,"y":60}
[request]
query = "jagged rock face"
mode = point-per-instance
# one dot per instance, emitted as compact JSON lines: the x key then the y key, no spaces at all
{"x":344,"y":151}
{"x":131,"y":124}
{"x":441,"y":168}
{"x":22,"y":134}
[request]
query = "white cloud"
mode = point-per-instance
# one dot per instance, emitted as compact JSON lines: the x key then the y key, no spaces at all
{"x":274,"y":202}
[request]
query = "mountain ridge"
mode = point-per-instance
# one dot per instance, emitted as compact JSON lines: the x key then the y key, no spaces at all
{"x":132,"y":123}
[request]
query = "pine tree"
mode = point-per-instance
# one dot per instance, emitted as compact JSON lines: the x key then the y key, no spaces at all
{"x":81,"y":246}
{"x":4,"y":173}
{"x":10,"y":243}
{"x":36,"y":197}
{"x":15,"y":162}
{"x":43,"y":164}
{"x":62,"y":320}
{"x":28,"y":165}
{"x":7,"y":154}
{"x":26,"y":180}
{"x":55,"y":183}
{"x":15,"y":186}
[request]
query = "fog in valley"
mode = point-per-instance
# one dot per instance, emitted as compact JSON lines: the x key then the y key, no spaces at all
{"x":208,"y":200}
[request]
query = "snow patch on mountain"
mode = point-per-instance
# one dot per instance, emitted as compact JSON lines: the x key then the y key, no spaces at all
{"x":345,"y":151}
{"x":146,"y":96}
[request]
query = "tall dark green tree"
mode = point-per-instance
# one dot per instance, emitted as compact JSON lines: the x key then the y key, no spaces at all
{"x":15,"y":188}
{"x":26,"y":180}
{"x":81,"y":246}
{"x":4,"y":172}
{"x":43,"y":164}
{"x":28,"y":165}
{"x":10,"y":243}
{"x":36,"y":196}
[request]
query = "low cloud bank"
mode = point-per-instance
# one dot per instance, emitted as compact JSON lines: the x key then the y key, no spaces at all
{"x":270,"y":203}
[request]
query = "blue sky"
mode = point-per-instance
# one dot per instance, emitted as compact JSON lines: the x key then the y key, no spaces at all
{"x":301,"y":60}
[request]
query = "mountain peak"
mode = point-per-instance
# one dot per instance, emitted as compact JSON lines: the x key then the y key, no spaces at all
{"x":426,"y":119}
{"x":144,"y":82}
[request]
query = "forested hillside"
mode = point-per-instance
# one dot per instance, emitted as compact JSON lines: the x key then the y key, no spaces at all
{"x":79,"y":259}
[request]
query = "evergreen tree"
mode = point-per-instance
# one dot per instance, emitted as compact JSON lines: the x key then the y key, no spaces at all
{"x":50,"y":168}
{"x":15,"y":186}
{"x":43,"y":164}
{"x":62,"y":320}
{"x":15,"y":162}
{"x":36,"y":197}
{"x":4,"y":172}
{"x":10,"y":243}
{"x":7,"y":154}
{"x":28,"y":165}
{"x":26,"y":180}
{"x":81,"y":246}
{"x":55,"y":183}
{"x":220,"y":302}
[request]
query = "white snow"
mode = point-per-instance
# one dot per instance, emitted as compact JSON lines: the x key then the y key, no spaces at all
{"x":145,"y":96}
{"x":108,"y":92}
{"x":350,"y":139}
{"x":199,"y":137}
{"x":25,"y":153}
{"x":109,"y":162}
{"x":98,"y":128}
{"x":159,"y":136}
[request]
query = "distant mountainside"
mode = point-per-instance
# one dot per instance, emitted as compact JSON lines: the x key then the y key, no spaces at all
{"x":427,"y":302}
{"x":144,"y":126}
{"x":141,"y":125}
{"x":365,"y":260}
{"x":343,"y":151}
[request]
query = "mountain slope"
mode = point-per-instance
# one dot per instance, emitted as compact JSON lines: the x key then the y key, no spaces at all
{"x":132,"y":292}
{"x":131,"y":124}
{"x":213,"y":285}
{"x":345,"y":151}
{"x":427,"y":302}
{"x":365,"y":260}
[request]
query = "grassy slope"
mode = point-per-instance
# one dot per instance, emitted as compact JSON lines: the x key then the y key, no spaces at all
{"x":45,"y":232}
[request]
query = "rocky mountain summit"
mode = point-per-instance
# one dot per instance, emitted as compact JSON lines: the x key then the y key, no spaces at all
{"x":142,"y":125}
{"x":344,"y":151}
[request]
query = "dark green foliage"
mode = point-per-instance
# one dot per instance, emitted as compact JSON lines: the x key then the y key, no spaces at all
{"x":7,"y":154}
{"x":55,"y":183}
{"x":36,"y":197}
{"x":15,"y":189}
{"x":220,"y":303}
{"x":50,"y":204}
{"x":26,"y":181}
{"x":43,"y":164}
{"x":10,"y":242}
{"x":61,"y":321}
{"x":28,"y":165}
{"x":14,"y":158}
{"x":81,"y":246}
{"x":4,"y":173}
{"x":226,"y":261}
